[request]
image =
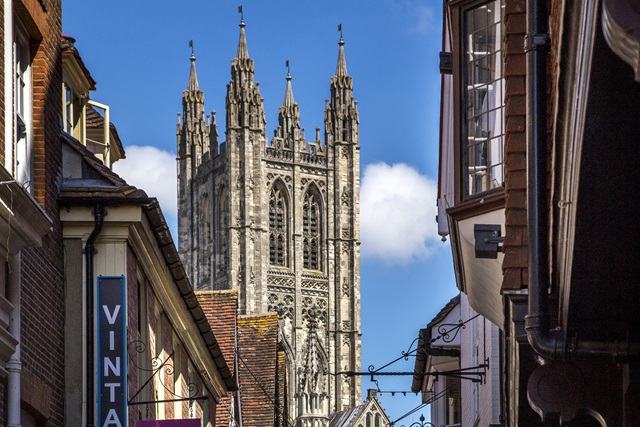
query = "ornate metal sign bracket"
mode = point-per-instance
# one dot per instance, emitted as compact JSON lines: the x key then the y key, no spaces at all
{"x":157,"y":368}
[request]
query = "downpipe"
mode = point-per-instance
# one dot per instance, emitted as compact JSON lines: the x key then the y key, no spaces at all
{"x":89,"y":250}
{"x":550,"y":344}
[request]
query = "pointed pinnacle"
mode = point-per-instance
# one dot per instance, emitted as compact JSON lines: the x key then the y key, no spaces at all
{"x":341,"y":68}
{"x":193,"y":78}
{"x":288,"y":95}
{"x":243,"y":52}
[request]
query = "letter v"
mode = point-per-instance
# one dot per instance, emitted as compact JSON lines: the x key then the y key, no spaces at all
{"x":111,"y":318}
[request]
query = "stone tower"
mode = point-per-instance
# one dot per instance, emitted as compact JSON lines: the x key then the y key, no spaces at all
{"x":279,"y":221}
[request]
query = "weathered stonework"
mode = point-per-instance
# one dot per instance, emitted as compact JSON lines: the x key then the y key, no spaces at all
{"x":279,"y":222}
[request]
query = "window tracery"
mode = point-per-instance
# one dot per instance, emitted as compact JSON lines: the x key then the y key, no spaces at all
{"x":278,"y":226}
{"x":222,"y":231}
{"x":311,"y":231}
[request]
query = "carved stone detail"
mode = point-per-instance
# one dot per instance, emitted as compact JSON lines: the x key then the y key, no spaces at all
{"x":315,"y":309}
{"x":281,"y":304}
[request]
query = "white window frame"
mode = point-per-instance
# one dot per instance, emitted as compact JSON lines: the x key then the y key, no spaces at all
{"x":483,"y":93}
{"x":23,"y":105}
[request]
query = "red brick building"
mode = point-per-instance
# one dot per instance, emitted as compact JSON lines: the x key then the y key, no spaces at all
{"x":537,"y":194}
{"x":31,"y":270}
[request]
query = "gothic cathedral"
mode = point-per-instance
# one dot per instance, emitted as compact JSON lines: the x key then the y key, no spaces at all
{"x":279,"y":222}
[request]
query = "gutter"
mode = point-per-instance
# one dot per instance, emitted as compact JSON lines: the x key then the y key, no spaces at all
{"x":550,"y":344}
{"x":160,"y":228}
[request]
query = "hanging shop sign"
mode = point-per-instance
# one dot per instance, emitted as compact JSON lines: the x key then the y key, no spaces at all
{"x":112,"y":360}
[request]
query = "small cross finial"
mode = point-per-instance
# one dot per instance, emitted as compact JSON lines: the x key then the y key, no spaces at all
{"x":288,"y":68}
{"x":192,"y":50}
{"x":241,"y":13}
{"x":340,"y":30}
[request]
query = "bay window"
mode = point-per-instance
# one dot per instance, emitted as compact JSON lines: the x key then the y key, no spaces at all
{"x":482,"y":92}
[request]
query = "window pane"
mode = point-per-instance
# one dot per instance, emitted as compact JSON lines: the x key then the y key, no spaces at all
{"x":483,"y":83}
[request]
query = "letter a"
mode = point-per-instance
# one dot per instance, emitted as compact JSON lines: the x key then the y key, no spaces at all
{"x":112,"y":419}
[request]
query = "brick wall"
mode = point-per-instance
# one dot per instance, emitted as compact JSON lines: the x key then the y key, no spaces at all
{"x":138,"y":287}
{"x":2,"y":42}
{"x":42,"y":335}
{"x":515,"y":244}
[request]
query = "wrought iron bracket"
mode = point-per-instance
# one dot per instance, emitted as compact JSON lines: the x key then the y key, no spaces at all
{"x":158,"y":366}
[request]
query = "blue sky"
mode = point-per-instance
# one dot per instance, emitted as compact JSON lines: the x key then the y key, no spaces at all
{"x":137,"y":51}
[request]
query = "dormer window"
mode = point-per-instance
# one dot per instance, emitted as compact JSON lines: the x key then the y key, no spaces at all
{"x":82,"y":118}
{"x":482,"y":89}
{"x":72,"y":114}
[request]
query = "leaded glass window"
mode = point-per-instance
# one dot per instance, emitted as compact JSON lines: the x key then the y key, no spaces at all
{"x":483,"y":90}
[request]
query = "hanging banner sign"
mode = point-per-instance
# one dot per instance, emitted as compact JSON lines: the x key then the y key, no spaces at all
{"x":169,"y":423}
{"x":112,"y":356}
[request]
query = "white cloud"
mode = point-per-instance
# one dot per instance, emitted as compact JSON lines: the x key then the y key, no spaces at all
{"x":154,"y":171}
{"x":397,"y":214}
{"x":413,"y":15}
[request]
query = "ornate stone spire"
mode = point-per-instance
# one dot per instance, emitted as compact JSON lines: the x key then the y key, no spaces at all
{"x":193,"y":77}
{"x":244,"y":102}
{"x":243,"y":52}
{"x":288,"y":95}
{"x":341,"y":68}
{"x":193,"y":110}
{"x":288,"y":132}
{"x":341,"y":113}
{"x":312,"y":392}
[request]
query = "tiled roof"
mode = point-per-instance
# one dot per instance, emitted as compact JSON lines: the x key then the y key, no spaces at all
{"x":221,"y":309}
{"x":345,"y":418}
{"x":257,"y":352}
{"x":95,"y":121}
{"x":68,"y":46}
{"x":97,"y":179}
{"x":356,"y":416}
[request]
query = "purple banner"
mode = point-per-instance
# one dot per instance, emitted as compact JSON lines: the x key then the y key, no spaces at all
{"x":195,"y":422}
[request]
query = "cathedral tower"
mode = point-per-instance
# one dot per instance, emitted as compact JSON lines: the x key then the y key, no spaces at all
{"x":278,"y":220}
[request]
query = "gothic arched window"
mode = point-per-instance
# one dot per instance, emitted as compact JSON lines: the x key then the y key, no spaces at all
{"x":221,"y":236}
{"x":204,"y":238}
{"x":311,"y":231}
{"x":278,"y":226}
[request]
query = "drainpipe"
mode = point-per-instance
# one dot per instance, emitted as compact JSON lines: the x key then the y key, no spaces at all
{"x":89,"y":251}
{"x":14,"y":366}
{"x":545,"y":343}
{"x":550,"y":344}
